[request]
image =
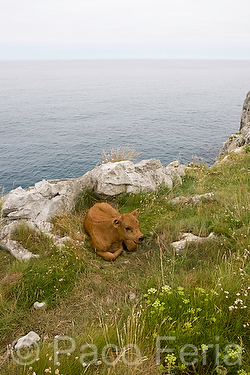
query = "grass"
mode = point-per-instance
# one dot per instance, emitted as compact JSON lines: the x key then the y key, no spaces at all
{"x":120,"y":154}
{"x":151,"y":311}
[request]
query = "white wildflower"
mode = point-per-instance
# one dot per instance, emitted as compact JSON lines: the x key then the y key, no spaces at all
{"x":166,"y":288}
{"x":152,"y":291}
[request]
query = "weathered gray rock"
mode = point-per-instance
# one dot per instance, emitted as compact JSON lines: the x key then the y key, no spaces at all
{"x":39,"y":305}
{"x":195,"y":199}
{"x":238,"y":141}
{"x":44,"y":200}
{"x":189,"y":238}
{"x":7,"y":229}
{"x":176,"y":170}
{"x":131,"y":295}
{"x":111,"y":179}
{"x":16,"y":249}
{"x":27,"y":341}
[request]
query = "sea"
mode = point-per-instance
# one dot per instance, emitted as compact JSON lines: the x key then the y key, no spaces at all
{"x":57,"y":117}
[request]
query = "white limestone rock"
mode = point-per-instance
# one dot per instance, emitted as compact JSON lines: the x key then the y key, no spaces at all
{"x":39,"y":305}
{"x":112,"y":179}
{"x":131,"y":295}
{"x":7,"y":230}
{"x":27,"y":341}
{"x":179,"y":169}
{"x":189,"y":238}
{"x":44,"y":200}
{"x":17,"y":250}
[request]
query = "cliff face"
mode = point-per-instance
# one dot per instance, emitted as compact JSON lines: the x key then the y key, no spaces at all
{"x":245,"y":116}
{"x":237,"y":141}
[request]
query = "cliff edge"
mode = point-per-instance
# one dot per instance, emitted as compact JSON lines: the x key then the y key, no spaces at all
{"x":238,"y":141}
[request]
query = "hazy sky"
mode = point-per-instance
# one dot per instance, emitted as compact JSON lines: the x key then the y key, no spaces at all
{"x":43,"y":29}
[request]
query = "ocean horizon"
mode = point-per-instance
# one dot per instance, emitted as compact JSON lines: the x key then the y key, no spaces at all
{"x":57,"y":117}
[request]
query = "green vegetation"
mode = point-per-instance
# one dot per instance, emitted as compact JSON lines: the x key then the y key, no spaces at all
{"x":151,"y":311}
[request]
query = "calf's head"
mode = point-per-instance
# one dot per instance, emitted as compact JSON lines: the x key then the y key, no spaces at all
{"x":127,"y":227}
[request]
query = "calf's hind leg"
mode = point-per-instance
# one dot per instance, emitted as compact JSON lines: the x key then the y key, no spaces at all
{"x":106,"y":255}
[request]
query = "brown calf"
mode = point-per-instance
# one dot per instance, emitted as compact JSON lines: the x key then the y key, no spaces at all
{"x":110,"y":231}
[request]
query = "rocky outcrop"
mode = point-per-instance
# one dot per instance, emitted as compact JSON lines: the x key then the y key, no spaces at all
{"x":38,"y":204}
{"x":112,"y":179}
{"x":238,"y":141}
{"x":44,"y":200}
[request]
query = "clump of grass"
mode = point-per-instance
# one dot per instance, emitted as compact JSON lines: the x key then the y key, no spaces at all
{"x":34,"y":241}
{"x":47,"y":280}
{"x":119,"y":154}
{"x":84,"y":201}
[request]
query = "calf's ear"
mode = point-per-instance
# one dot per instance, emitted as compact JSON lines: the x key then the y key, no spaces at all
{"x":116,"y":223}
{"x":135,"y":213}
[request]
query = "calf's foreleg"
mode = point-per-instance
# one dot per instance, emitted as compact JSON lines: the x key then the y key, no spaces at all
{"x":130,"y":245}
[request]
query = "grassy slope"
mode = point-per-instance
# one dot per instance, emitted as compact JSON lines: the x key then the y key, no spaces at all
{"x":95,"y":302}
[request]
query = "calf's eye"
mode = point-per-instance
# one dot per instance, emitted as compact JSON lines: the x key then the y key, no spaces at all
{"x":127,"y":229}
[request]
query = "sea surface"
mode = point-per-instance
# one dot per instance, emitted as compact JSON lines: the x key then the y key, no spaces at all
{"x":56,"y":117}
